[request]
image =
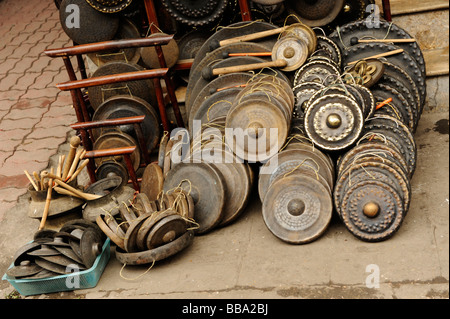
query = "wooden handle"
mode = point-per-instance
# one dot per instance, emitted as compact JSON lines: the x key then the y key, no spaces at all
{"x":381,"y":55}
{"x":31,"y":180}
{"x":75,"y":163}
{"x":38,"y":180}
{"x":248,"y":67}
{"x":76,"y":191}
{"x":47,"y":202}
{"x":78,"y":171}
{"x":387,"y":40}
{"x":74,"y":143}
{"x":253,"y":36}
{"x":64,"y":191}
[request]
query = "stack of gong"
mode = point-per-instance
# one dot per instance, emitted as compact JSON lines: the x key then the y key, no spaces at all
{"x":147,"y":231}
{"x":372,"y":192}
{"x":295,"y":187}
{"x":218,"y":182}
{"x":263,"y":110}
{"x":73,"y":248}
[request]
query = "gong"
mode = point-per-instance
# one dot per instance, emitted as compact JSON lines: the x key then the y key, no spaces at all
{"x":115,"y":139}
{"x":165,"y":231}
{"x":232,"y":31}
{"x":127,"y":30}
{"x":86,"y":25}
{"x":143,"y":89}
{"x":152,"y":181}
{"x":372,"y":211}
{"x":170,"y":51}
{"x":292,"y":50}
{"x":202,"y":182}
{"x":297,"y":209}
{"x":126,"y":106}
{"x":316,"y":13}
{"x":334,"y":122}
{"x":196,"y":13}
{"x":109,"y":6}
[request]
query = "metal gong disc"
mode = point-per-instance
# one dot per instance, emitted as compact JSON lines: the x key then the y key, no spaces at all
{"x":403,"y":60}
{"x":90,"y":246}
{"x":232,"y":31}
{"x":202,"y":182}
{"x":290,"y":160}
{"x":196,"y":74}
{"x":127,"y":30}
{"x":303,"y":92}
{"x":189,"y":45}
{"x":143,"y":89}
{"x":350,"y":33}
{"x":92,"y":25}
{"x":303,"y":32}
{"x":372,"y":211}
{"x":297,"y":209}
{"x":152,"y":181}
{"x":237,"y":189}
{"x":25,"y":269}
{"x":327,"y":47}
{"x":317,"y":71}
{"x":153,"y":255}
{"x":316,"y":13}
{"x":21,"y":254}
{"x":221,"y":83}
{"x":112,"y":233}
{"x":114,"y":139}
{"x":259,"y":119}
{"x":171,"y":53}
{"x":62,"y":260}
{"x":393,"y":130}
{"x":55,"y":268}
{"x":334,"y":122}
{"x":109,"y":6}
{"x":196,"y":13}
{"x":292,"y":50}
{"x":120,"y":106}
{"x":165,"y":231}
{"x":111,"y":168}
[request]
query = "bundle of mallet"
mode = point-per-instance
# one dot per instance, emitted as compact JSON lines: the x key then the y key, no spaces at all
{"x":68,"y":168}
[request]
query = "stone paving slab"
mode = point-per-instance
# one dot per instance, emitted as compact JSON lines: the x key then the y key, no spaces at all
{"x":34,"y":114}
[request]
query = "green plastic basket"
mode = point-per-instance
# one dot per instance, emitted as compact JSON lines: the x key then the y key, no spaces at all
{"x":73,"y":281}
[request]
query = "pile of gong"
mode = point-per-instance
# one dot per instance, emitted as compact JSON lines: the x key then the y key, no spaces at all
{"x":372,"y":192}
{"x":147,"y":231}
{"x":295,"y":187}
{"x":218,"y":182}
{"x":73,"y":248}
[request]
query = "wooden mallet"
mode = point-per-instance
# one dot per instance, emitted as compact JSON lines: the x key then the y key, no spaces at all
{"x":75,"y":141}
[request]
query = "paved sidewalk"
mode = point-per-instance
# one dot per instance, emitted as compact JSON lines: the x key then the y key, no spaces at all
{"x":34,"y":114}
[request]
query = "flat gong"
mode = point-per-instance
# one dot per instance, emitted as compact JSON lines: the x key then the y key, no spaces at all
{"x":196,"y":13}
{"x":152,"y":181}
{"x":126,"y":106}
{"x":62,"y":260}
{"x":165,"y":231}
{"x":232,"y":31}
{"x":352,"y":32}
{"x":170,"y":51}
{"x":143,"y":89}
{"x":109,"y":6}
{"x":130,"y":241}
{"x":90,"y":246}
{"x":86,"y":25}
{"x":292,"y":50}
{"x":316,"y":13}
{"x":317,"y":71}
{"x":303,"y":92}
{"x":127,"y":30}
{"x":44,"y":250}
{"x":68,"y":252}
{"x":115,"y":139}
{"x":204,"y":185}
{"x":403,"y":60}
{"x":25,"y":269}
{"x":55,"y":268}
{"x":297,"y":209}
